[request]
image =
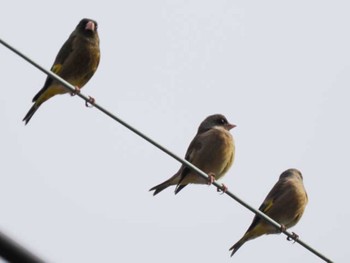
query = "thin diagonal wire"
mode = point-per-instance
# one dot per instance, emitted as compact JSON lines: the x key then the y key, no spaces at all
{"x":162,"y":148}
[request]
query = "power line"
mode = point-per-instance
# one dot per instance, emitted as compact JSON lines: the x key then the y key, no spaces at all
{"x":71,"y":88}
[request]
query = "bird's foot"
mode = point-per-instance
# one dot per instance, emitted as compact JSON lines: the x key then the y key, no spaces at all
{"x":90,"y":102}
{"x":294,"y":237}
{"x":211,"y":178}
{"x":283,"y":228}
{"x":76,"y":91}
{"x":223,"y":189}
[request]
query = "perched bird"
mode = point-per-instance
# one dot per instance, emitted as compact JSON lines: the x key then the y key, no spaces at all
{"x":285,"y":204}
{"x":76,"y":62}
{"x":212,"y":150}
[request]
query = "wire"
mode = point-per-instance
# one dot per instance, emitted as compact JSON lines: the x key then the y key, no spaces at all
{"x":162,"y":148}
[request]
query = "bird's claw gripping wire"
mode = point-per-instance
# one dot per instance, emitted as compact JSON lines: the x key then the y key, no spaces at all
{"x":283,"y":228}
{"x":76,"y":91}
{"x":211,"y":178}
{"x":294,"y":237}
{"x":90,"y":102}
{"x":223,"y":189}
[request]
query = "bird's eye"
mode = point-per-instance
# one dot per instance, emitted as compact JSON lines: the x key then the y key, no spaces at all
{"x":222,"y":121}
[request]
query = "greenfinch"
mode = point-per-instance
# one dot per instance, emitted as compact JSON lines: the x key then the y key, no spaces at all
{"x":76,"y":62}
{"x":212,"y":150}
{"x":285,"y":204}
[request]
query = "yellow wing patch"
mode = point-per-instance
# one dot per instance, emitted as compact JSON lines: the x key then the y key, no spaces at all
{"x":56,"y":68}
{"x":268,"y":204}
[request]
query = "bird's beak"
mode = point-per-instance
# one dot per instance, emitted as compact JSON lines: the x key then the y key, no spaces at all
{"x":230,"y":126}
{"x":90,"y":26}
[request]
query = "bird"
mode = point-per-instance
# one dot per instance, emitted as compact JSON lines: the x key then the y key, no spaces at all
{"x":76,"y":62}
{"x":212,"y":150}
{"x":285,"y":204}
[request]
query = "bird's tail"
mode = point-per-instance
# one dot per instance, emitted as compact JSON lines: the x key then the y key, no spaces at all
{"x":253,"y":231}
{"x":179,"y":187}
{"x":236,"y":246}
{"x":158,"y":188}
{"x":31,"y":112}
{"x":171,"y":181}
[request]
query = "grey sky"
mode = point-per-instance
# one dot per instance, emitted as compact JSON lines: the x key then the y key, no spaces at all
{"x":74,"y":184}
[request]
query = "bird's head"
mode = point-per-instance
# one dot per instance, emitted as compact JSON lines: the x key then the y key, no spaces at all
{"x":216,"y":120}
{"x":87,"y":26}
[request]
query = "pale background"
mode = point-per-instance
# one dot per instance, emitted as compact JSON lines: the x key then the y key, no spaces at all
{"x":74,"y":183}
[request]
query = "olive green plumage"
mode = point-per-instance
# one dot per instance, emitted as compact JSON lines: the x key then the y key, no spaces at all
{"x":285,"y":204}
{"x":76,"y":62}
{"x":212,"y":150}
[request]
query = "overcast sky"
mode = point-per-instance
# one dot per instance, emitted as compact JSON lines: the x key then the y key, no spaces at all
{"x":74,"y":183}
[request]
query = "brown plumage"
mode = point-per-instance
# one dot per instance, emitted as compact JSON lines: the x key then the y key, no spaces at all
{"x":285,"y":203}
{"x":76,"y":62}
{"x":212,"y":150}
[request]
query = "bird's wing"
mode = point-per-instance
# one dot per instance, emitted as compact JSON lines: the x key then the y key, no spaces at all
{"x":62,"y":56}
{"x":273,"y":196}
{"x":192,"y":150}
